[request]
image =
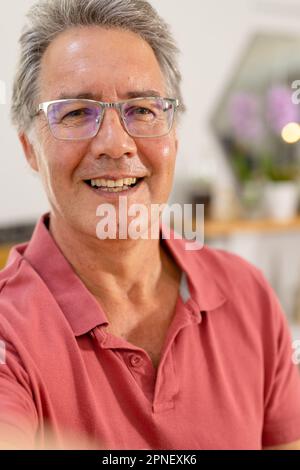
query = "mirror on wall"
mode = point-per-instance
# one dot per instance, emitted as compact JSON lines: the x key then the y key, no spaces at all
{"x":257,"y":118}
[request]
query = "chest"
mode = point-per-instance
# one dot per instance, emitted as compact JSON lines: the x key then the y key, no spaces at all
{"x":151,"y":337}
{"x":145,"y":328}
{"x":192,"y":392}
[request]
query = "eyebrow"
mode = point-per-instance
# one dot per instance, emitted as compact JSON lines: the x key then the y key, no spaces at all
{"x":92,"y":96}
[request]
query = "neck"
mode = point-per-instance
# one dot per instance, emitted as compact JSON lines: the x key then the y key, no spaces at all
{"x":131,"y":270}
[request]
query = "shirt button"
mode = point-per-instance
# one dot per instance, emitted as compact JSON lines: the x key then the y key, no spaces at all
{"x":135,"y":360}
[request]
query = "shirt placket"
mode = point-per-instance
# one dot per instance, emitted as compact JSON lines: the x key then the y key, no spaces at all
{"x":167,"y":380}
{"x":159,"y":386}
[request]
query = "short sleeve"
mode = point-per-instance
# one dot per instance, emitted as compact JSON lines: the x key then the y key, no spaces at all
{"x":282,"y":394}
{"x":18,"y":417}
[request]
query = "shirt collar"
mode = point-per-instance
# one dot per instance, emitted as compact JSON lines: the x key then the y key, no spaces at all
{"x":200,"y":273}
{"x":80,"y":308}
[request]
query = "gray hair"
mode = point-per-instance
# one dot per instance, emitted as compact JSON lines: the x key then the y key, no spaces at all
{"x":48,"y":18}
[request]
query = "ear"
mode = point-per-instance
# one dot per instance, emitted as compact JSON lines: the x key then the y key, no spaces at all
{"x":29,"y":151}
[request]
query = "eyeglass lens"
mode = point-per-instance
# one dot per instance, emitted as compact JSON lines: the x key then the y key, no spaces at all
{"x":79,"y":119}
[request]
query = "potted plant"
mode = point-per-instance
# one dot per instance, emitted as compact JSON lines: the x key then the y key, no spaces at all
{"x":281,"y":193}
{"x":264,"y":145}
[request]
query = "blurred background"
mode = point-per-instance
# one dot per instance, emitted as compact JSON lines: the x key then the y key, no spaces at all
{"x":239,"y":140}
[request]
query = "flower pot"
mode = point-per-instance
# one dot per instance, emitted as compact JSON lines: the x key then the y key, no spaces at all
{"x":281,"y":200}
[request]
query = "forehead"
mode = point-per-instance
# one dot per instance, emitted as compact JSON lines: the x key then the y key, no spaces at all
{"x":105,"y":62}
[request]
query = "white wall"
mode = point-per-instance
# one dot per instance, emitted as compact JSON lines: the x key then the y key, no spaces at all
{"x":211,"y":35}
{"x":21,"y":195}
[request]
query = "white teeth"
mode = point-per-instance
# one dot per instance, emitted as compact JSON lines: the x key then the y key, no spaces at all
{"x":121,"y":183}
{"x":117,"y":190}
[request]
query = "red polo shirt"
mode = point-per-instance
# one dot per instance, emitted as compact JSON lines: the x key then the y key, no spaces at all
{"x":225,"y":379}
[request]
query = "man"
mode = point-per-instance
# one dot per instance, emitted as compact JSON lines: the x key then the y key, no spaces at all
{"x":126,"y":343}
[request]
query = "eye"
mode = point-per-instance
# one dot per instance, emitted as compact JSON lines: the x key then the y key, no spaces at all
{"x":140,"y":112}
{"x":143,"y":111}
{"x":82,"y":112}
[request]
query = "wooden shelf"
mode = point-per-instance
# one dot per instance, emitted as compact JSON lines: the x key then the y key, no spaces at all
{"x":214,"y":228}
{"x":4,"y":251}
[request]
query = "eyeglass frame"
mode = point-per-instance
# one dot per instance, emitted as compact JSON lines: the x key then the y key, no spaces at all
{"x":118,"y":105}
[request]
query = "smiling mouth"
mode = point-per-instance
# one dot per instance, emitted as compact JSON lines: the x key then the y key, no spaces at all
{"x":112,"y":186}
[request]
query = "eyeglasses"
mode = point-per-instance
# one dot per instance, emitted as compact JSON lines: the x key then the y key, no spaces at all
{"x":79,"y":119}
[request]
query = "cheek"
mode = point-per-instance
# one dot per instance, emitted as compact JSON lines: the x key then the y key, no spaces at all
{"x":59,"y":160}
{"x":161,"y":155}
{"x":167,"y":160}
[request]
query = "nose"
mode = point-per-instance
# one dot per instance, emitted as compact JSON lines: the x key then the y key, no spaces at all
{"x":112,"y":140}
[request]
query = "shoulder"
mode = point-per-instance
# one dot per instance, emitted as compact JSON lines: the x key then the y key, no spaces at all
{"x":248,"y":297}
{"x":16,"y":277}
{"x":237,"y":277}
{"x":218,"y":274}
{"x":20,"y":288}
{"x":251,"y":303}
{"x":230,"y":268}
{"x":9,"y":275}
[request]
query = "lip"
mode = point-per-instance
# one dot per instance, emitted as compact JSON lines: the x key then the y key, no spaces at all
{"x":108,"y":195}
{"x":113,"y":177}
